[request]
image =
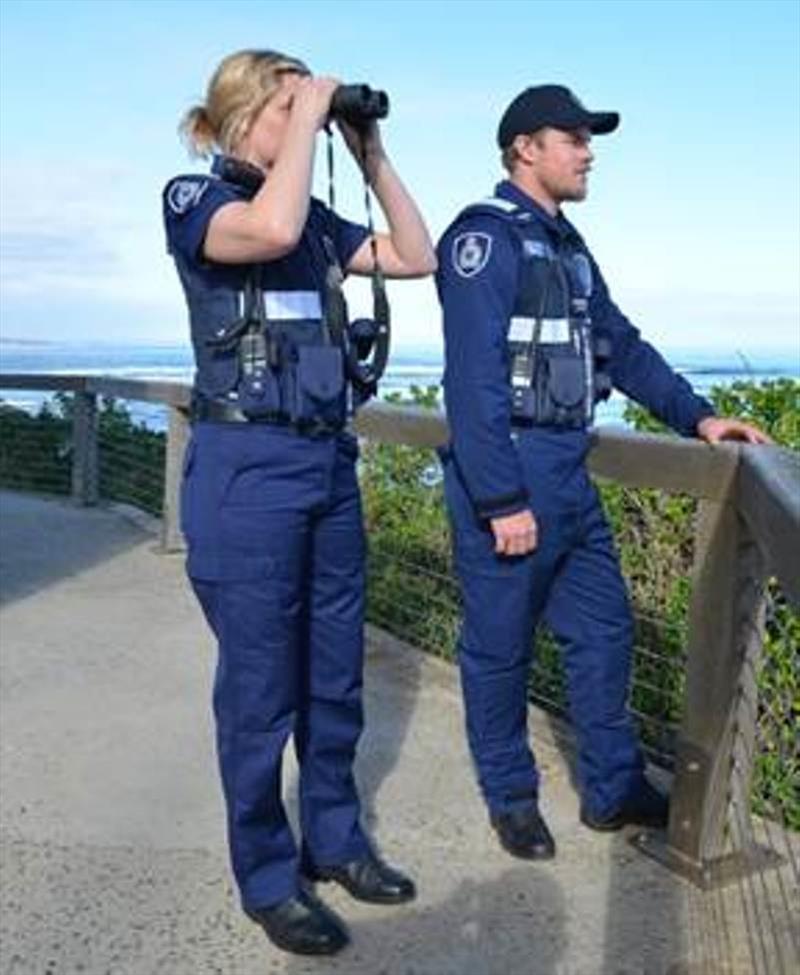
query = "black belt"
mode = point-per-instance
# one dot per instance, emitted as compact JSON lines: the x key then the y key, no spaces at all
{"x":216,"y":411}
{"x":209,"y":410}
{"x":521,"y":423}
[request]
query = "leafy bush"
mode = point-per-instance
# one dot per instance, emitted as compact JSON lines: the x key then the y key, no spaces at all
{"x":36,"y":452}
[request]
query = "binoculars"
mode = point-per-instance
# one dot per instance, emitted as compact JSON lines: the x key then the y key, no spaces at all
{"x":359,"y":105}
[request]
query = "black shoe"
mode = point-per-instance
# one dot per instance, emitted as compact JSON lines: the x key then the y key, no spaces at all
{"x":523,"y":833}
{"x":645,"y":807}
{"x":367,"y":879}
{"x":302,"y":925}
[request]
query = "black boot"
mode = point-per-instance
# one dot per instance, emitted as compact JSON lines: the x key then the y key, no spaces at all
{"x":367,"y":879}
{"x":302,"y":925}
{"x":647,"y":806}
{"x":523,"y":833}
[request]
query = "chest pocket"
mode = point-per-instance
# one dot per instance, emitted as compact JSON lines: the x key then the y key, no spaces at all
{"x":290,"y":374}
{"x":217,"y":368}
{"x":549,"y":341}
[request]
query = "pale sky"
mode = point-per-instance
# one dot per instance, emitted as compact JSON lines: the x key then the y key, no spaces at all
{"x":694,"y":205}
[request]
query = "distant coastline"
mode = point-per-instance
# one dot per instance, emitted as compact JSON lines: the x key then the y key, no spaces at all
{"x":10,"y":340}
{"x":410,"y":365}
{"x":425,"y":352}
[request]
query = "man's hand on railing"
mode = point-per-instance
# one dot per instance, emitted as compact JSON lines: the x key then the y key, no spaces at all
{"x":713,"y":429}
{"x":515,"y":534}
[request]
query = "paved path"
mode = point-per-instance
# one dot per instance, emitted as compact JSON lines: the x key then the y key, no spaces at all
{"x":113,"y":855}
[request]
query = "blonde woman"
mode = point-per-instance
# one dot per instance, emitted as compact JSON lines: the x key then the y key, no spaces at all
{"x":270,"y":502}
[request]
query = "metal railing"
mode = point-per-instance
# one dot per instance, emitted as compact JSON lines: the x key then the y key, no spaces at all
{"x":736,"y":728}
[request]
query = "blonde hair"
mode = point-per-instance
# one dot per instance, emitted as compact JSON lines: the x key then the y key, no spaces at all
{"x":240,"y":87}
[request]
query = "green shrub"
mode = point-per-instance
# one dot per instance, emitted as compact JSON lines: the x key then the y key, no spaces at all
{"x":36,"y":452}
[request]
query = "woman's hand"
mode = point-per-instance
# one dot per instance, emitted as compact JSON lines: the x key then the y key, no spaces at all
{"x":407,"y":250}
{"x":270,"y":225}
{"x":364,"y":143}
{"x":312,"y":99}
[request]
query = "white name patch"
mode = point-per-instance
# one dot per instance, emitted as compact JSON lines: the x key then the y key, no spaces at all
{"x":292,"y":305}
{"x":471,"y":253}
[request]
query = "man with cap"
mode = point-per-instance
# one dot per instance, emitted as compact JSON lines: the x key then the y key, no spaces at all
{"x":532,"y":340}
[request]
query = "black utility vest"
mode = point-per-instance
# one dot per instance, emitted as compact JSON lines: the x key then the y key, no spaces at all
{"x":262,"y":339}
{"x":557,"y":360}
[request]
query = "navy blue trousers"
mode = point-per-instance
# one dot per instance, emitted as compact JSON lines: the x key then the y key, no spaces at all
{"x":276,"y":557}
{"x":573,"y":582}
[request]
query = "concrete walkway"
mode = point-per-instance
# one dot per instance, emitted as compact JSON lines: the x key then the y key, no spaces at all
{"x":113,"y":855}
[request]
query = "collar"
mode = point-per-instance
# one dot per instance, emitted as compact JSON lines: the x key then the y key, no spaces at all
{"x":244,"y":176}
{"x":507,"y":190}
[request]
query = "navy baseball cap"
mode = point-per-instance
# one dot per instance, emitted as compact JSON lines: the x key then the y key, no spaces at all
{"x":552,"y":105}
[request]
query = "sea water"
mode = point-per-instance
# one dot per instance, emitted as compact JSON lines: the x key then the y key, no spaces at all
{"x":408,"y":366}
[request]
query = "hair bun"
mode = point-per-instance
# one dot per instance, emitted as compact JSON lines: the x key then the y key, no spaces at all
{"x":197,"y":131}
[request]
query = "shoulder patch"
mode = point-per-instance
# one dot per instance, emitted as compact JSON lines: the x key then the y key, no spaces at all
{"x":471,"y":252}
{"x":184,"y":194}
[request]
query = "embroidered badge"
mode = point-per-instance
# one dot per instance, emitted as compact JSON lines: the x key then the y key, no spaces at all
{"x":185,"y":193}
{"x":471,"y":253}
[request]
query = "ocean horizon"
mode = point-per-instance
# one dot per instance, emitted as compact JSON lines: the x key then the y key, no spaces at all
{"x":417,"y":365}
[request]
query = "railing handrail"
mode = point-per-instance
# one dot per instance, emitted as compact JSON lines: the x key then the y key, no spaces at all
{"x":768,"y":497}
{"x":767,"y":494}
{"x":143,"y":390}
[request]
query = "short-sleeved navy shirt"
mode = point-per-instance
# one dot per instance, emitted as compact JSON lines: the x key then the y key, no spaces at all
{"x":191,"y":201}
{"x":213,"y":289}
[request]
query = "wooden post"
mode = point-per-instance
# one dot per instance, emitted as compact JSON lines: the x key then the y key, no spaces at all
{"x":718,"y":725}
{"x":84,"y":449}
{"x":177,"y":440}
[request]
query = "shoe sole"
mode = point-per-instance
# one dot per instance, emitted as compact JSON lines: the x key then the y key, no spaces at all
{"x":294,"y":949}
{"x":523,"y":853}
{"x":529,"y":854}
{"x":402,"y":899}
{"x":609,"y":826}
{"x":614,"y":825}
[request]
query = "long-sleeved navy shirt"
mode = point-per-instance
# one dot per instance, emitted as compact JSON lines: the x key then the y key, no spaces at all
{"x":479,"y":258}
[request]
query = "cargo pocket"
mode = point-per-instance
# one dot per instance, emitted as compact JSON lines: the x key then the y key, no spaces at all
{"x":566,"y":381}
{"x":560,"y":392}
{"x":319,"y":384}
{"x":260,"y":394}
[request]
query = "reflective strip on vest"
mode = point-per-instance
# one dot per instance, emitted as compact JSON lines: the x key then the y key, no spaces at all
{"x":553,"y":330}
{"x":292,"y":305}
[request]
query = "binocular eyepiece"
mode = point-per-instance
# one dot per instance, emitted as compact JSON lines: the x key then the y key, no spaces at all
{"x":359,"y":105}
